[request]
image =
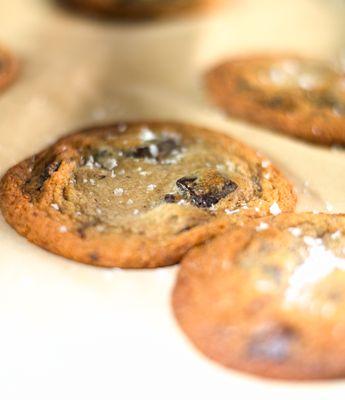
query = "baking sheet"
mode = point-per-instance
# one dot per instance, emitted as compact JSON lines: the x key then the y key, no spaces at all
{"x":69,"y":331}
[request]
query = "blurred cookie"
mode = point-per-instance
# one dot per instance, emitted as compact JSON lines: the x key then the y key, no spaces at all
{"x":139,"y":9}
{"x":301,"y":97}
{"x":8,"y":68}
{"x":138,"y":194}
{"x":269,"y":299}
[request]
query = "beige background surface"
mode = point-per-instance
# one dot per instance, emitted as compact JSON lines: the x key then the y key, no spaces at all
{"x":68,"y":331}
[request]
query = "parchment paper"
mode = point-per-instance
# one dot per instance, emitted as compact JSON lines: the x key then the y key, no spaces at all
{"x":69,"y":331}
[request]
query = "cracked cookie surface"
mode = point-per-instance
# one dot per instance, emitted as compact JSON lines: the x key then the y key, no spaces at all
{"x":138,"y":194}
{"x":304,"y":98}
{"x":268,"y":298}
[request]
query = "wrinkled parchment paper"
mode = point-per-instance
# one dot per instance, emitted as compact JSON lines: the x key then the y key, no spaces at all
{"x":69,"y":331}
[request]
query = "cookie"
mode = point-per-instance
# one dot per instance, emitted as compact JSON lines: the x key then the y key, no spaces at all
{"x":269,"y":298}
{"x":139,"y":9}
{"x":138,"y":194}
{"x":301,"y":97}
{"x":8,"y":68}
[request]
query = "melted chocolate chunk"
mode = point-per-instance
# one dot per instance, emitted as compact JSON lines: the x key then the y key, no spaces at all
{"x":273,"y":344}
{"x":204,"y":195}
{"x":155,"y":150}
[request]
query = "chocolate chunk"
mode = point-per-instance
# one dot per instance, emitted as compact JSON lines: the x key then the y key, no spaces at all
{"x":39,"y":178}
{"x":257,"y":183}
{"x":155,"y":150}
{"x":322,"y":100}
{"x":94,"y":257}
{"x":204,"y":195}
{"x":170,"y":198}
{"x":278,"y":102}
{"x":273,"y":344}
{"x":327,"y":100}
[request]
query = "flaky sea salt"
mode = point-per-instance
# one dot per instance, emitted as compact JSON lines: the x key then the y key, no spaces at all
{"x":147,"y":135}
{"x":118,"y":192}
{"x":262,"y":227}
{"x":312,"y":241}
{"x":136,"y":212}
{"x":110,"y":163}
{"x":90,"y":162}
{"x":275,"y":209}
{"x":231,"y":212}
{"x":151,"y":187}
{"x":265,"y":163}
{"x":154,"y":150}
{"x":295,"y":231}
{"x":55,"y":206}
{"x":63,"y":229}
{"x":336,"y":235}
{"x":130,"y":202}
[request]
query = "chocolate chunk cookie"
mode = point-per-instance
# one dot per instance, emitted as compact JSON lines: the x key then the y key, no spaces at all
{"x":301,"y":97}
{"x":139,"y":9}
{"x":269,"y":298}
{"x":8,"y":68}
{"x":138,"y":194}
